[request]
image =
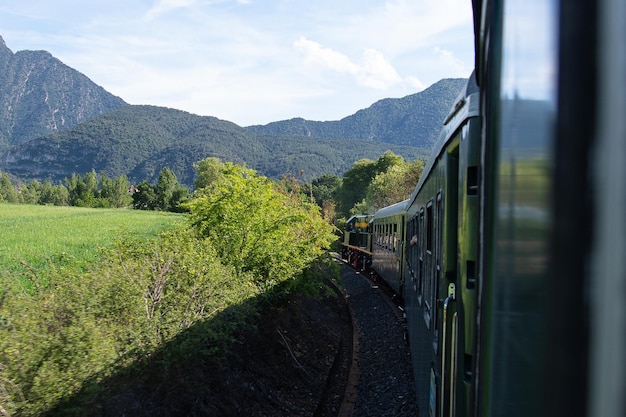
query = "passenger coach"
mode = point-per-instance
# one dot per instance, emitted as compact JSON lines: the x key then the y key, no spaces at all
{"x":441,"y":259}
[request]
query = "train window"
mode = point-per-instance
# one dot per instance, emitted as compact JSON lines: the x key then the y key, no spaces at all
{"x":395,"y":237}
{"x":430,"y":263}
{"x":439,"y":230}
{"x":411,"y":245}
{"x":436,"y":275}
{"x":420,"y":250}
{"x":429,"y":227}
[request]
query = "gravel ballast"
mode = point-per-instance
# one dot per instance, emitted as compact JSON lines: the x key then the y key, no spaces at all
{"x":383,"y":384}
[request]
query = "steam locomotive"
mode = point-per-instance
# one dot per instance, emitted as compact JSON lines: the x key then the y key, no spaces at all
{"x":510,"y":253}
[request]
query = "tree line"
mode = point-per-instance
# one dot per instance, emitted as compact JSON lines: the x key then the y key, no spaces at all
{"x":367,"y":186}
{"x":98,"y":191}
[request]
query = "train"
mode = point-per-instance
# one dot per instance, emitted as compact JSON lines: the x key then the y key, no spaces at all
{"x":509,"y":256}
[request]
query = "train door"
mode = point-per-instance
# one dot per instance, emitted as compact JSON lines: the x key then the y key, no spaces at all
{"x":446,"y":266}
{"x":459,"y":251}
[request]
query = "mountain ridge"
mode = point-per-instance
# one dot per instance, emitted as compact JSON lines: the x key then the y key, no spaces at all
{"x":412,"y":120}
{"x":68,"y":124}
{"x":41,"y":95}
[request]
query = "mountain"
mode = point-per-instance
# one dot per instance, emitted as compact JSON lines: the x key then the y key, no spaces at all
{"x":41,"y":95}
{"x":126,"y":140}
{"x":54,"y":122}
{"x":413,"y":120}
{"x":140,"y":140}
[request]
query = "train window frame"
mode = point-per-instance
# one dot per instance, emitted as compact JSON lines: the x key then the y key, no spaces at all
{"x":438,"y":252}
{"x":430,"y":225}
{"x":428,"y":281}
{"x":412,"y":248}
{"x":420,"y":250}
{"x":395,"y":238}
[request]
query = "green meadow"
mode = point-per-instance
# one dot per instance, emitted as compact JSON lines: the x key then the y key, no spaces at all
{"x":37,"y":237}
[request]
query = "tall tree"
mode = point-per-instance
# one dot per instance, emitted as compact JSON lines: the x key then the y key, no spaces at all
{"x":8,"y":193}
{"x":354,"y":185}
{"x":144,"y":197}
{"x":325,"y":188}
{"x":115,"y":190}
{"x":208,"y":171}
{"x":169,"y":192}
{"x":30,"y":193}
{"x":394,"y":185}
{"x":358,"y":178}
{"x":53,"y":194}
{"x":76,"y":188}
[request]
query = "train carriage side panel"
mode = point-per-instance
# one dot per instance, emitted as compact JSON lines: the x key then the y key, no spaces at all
{"x":388,"y":242}
{"x":434,"y":305}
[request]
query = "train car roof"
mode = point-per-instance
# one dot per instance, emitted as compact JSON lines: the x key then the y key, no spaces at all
{"x":465,"y":106}
{"x":358,"y":216}
{"x":392,"y":210}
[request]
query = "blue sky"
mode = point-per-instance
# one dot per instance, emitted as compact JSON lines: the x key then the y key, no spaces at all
{"x":251,"y":61}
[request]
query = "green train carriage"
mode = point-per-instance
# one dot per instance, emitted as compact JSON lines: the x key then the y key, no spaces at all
{"x":441,"y":261}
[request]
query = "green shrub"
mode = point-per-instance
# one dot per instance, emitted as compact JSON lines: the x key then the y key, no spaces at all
{"x":83,"y":326}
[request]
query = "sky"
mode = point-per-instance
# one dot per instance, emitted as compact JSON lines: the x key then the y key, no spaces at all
{"x":251,"y":61}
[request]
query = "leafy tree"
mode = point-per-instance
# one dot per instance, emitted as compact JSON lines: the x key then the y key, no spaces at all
{"x":91,"y":185}
{"x":355,"y":182}
{"x":144,"y":197}
{"x":115,"y":191}
{"x":83,"y":191}
{"x":388,"y":160}
{"x":258,"y":229}
{"x":329,"y":210}
{"x":53,"y":194}
{"x":30,"y":193}
{"x":76,"y":188}
{"x":8,"y":193}
{"x":362,"y":207}
{"x":394,"y":185}
{"x":208,"y":171}
{"x":358,"y":178}
{"x":325,"y":188}
{"x":169,"y":193}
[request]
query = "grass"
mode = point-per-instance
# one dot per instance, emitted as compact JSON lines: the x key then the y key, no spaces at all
{"x":35,"y":237}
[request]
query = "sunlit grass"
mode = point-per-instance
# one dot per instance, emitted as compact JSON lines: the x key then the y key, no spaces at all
{"x":35,"y":237}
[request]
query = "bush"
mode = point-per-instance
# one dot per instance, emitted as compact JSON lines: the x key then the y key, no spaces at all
{"x":85,"y":326}
{"x":86,"y":323}
{"x":257,"y":228}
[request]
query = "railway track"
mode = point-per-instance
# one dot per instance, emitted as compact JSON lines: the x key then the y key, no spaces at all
{"x":379,"y":377}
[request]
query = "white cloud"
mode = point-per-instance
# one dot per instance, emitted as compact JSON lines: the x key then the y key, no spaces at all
{"x":373,"y":71}
{"x":251,"y":61}
{"x":457,"y":67}
{"x":316,"y":54}
{"x":376,"y":71}
{"x":165,"y":6}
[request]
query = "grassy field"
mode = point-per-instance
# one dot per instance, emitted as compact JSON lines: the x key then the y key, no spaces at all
{"x":35,"y":237}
